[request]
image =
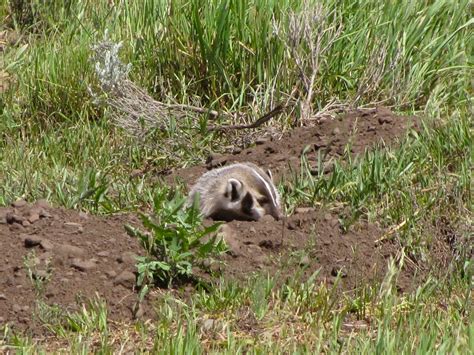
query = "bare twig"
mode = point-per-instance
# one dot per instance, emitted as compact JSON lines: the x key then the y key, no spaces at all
{"x":265,"y":118}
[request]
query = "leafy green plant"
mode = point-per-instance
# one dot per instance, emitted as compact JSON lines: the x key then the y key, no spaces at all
{"x":175,"y":240}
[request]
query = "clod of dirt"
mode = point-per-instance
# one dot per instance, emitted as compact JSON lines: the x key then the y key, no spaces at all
{"x":42,"y":204}
{"x":74,"y":227}
{"x":127,"y":257}
{"x":69,"y":250}
{"x":126,"y":279}
{"x":46,"y":245}
{"x":32,"y":241}
{"x":12,"y":217}
{"x":34,"y":216}
{"x":83,"y":265}
{"x":19,"y":203}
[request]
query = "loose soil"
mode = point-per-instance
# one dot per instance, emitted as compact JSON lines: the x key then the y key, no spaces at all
{"x":357,"y":131}
{"x":87,"y":255}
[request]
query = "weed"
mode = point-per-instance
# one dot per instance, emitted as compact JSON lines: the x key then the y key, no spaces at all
{"x":175,"y":242}
{"x":39,"y":276}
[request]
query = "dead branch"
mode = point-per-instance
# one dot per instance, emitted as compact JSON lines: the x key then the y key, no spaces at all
{"x":265,"y":118}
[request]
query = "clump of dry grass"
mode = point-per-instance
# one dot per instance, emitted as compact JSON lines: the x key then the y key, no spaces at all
{"x":131,"y":107}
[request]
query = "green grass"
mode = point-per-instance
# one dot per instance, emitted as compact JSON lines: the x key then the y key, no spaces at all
{"x":296,"y":317}
{"x":416,"y":56}
{"x":426,"y":178}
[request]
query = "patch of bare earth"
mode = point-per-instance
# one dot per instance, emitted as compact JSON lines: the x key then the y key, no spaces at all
{"x":87,"y":255}
{"x":360,"y":129}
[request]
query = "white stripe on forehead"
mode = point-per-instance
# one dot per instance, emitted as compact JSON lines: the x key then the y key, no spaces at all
{"x":267,"y":186}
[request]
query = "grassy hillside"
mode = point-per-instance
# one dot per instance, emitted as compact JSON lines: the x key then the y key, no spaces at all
{"x":318,"y":57}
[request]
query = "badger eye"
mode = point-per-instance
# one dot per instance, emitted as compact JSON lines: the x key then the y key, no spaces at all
{"x":263,"y":200}
{"x":247,"y":204}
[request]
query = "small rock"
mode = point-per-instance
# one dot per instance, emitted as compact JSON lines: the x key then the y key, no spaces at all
{"x":321,"y":144}
{"x":371,"y":129}
{"x":46,"y":244}
{"x":328,"y":217}
{"x":2,"y":296}
{"x":19,"y":203}
{"x":25,"y":223}
{"x":103,"y":254}
{"x":34,"y":216}
{"x":236,"y":151}
{"x":126,"y":279}
{"x":291,"y":225}
{"x":3,"y":218}
{"x":69,"y":250}
{"x":83,"y":265}
{"x":44,"y":214}
{"x":112,"y":274}
{"x":252,"y":230}
{"x":83,"y":215}
{"x":32,"y":241}
{"x":42,"y":203}
{"x":127,"y":258}
{"x":75,"y":227}
{"x":304,"y":210}
{"x":16,"y":308}
{"x":14,"y":218}
{"x":336,"y":131}
{"x":261,"y":141}
{"x":305,"y":260}
{"x":252,"y":248}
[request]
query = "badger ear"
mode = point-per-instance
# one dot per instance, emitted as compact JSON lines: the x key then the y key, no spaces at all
{"x":269,"y":173}
{"x":234,"y":189}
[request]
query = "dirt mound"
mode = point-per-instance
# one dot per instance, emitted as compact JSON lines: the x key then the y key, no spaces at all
{"x":84,"y":255}
{"x":79,"y":253}
{"x":362,"y":129}
{"x":308,"y":241}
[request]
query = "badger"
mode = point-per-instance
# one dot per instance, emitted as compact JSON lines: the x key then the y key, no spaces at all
{"x":241,"y":191}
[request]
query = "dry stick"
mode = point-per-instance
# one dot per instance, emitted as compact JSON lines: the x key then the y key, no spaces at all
{"x":212,"y":113}
{"x":283,"y":224}
{"x":265,"y":118}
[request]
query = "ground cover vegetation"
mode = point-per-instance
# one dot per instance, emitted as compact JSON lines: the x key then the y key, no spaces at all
{"x":206,"y":64}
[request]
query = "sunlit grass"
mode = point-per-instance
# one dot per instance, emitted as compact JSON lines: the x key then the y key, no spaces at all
{"x":55,"y":143}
